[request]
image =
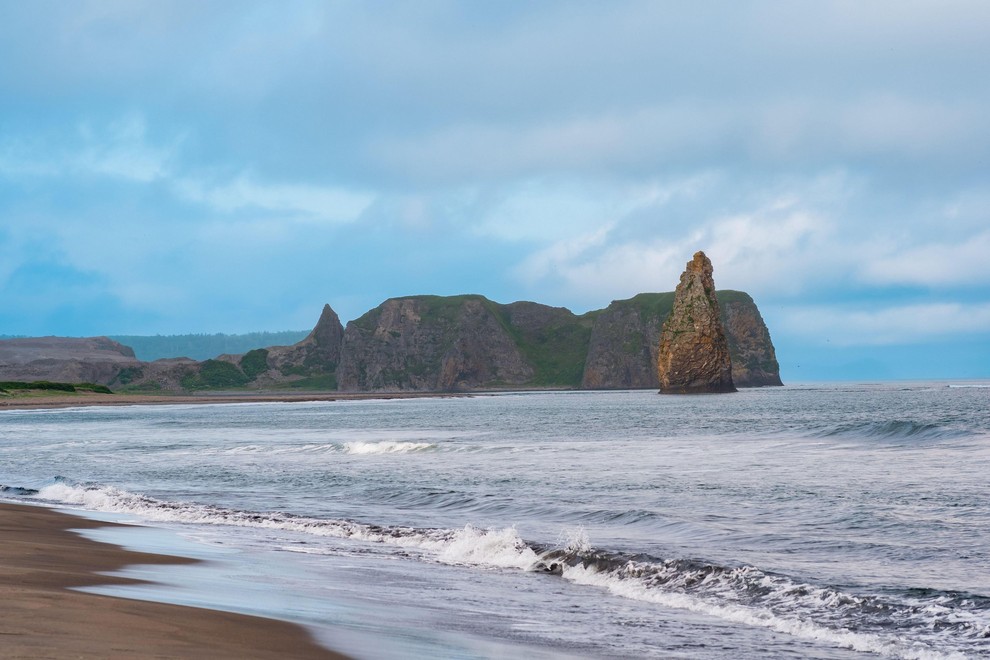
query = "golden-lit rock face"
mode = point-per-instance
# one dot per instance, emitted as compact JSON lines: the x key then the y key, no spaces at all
{"x":694,"y":354}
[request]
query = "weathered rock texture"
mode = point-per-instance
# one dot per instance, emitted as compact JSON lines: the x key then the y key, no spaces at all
{"x":754,"y":361}
{"x":694,"y":353}
{"x":432,"y":343}
{"x":315,"y":357}
{"x":64,"y":359}
{"x":624,"y":343}
{"x":622,"y":353}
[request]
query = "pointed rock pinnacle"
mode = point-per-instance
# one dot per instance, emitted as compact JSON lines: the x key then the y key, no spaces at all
{"x":694,"y":354}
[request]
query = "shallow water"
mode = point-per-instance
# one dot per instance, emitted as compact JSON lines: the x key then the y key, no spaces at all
{"x":805,"y":521}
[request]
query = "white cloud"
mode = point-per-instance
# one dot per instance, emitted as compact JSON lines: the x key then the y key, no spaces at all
{"x":541,"y":210}
{"x":119,"y":150}
{"x":779,"y":247}
{"x":122,"y":151}
{"x":965,"y":263}
{"x":841,"y":325}
{"x":318,"y":203}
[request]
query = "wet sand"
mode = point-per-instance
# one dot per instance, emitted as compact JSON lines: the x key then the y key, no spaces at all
{"x":41,"y":618}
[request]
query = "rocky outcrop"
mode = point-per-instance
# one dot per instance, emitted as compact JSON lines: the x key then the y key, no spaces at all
{"x":427,"y":343}
{"x":431,"y":343}
{"x":694,"y":353}
{"x":622,"y":353}
{"x":625,"y":342}
{"x":316,"y":356}
{"x":64,"y":359}
{"x":754,"y":360}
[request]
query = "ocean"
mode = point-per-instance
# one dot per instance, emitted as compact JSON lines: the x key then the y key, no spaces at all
{"x":809,"y":521}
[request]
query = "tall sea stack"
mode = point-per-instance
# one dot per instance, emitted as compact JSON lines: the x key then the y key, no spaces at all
{"x":694,"y":354}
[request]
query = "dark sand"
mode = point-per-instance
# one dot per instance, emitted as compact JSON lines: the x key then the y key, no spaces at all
{"x":41,"y":618}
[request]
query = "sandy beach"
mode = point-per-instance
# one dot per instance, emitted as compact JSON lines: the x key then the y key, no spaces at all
{"x":40,"y":617}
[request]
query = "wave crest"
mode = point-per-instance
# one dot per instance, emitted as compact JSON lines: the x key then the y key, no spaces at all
{"x":892,"y":625}
{"x":385,"y":447}
{"x":895,"y":429}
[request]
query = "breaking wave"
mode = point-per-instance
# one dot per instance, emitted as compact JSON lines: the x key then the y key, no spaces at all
{"x":385,"y":447}
{"x":910,"y":624}
{"x":892,"y":430}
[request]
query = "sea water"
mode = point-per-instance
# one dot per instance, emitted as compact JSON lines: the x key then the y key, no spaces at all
{"x":825,"y":521}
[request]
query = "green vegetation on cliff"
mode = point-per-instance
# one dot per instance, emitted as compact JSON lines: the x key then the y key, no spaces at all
{"x":48,"y":386}
{"x":215,"y":374}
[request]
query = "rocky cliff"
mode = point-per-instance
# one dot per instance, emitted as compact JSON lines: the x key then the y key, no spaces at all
{"x":694,"y":352}
{"x":625,"y":342}
{"x":436,"y":343}
{"x":64,"y":359}
{"x":622,"y":353}
{"x":754,"y":360}
{"x":430,"y":343}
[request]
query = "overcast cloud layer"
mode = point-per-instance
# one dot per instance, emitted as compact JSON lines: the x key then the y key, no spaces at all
{"x":231,"y":166}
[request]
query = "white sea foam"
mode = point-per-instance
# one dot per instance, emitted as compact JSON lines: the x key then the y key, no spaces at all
{"x":495,"y":548}
{"x":789,"y":608}
{"x":637,"y":589}
{"x":385,"y":447}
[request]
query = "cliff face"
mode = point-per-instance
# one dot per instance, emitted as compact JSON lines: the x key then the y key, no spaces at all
{"x":694,"y":353}
{"x":64,"y":359}
{"x":425,"y":343}
{"x":622,"y":353}
{"x":315,"y":358}
{"x":431,"y":343}
{"x":754,"y":360}
{"x":625,"y":342}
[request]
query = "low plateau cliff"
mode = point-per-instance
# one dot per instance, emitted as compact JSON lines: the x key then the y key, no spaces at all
{"x":460,"y":343}
{"x":64,"y":359}
{"x":693,"y":357}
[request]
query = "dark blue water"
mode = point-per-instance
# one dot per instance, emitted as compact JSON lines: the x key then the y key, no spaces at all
{"x":832,"y":521}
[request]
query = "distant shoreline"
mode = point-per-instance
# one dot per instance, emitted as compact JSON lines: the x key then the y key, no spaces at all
{"x":85,"y":399}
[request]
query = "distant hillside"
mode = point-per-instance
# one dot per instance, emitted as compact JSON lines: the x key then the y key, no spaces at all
{"x":204,"y":347}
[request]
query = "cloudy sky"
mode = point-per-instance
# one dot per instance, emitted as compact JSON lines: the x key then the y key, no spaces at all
{"x":172,"y":167}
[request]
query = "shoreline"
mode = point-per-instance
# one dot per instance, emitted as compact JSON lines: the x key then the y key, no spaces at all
{"x":41,"y":616}
{"x":87,"y":399}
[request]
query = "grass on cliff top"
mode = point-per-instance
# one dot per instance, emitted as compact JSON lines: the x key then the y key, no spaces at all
{"x":660,"y":304}
{"x":557,"y":351}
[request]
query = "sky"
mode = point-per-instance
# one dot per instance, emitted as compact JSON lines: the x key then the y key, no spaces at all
{"x":184,"y":167}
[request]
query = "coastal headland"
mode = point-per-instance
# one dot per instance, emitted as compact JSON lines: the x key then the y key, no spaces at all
{"x":41,"y":560}
{"x":464,"y":343}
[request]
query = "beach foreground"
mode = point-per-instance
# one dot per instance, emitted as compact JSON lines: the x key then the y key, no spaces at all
{"x":40,"y":617}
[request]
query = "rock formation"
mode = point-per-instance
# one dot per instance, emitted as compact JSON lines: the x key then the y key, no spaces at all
{"x":424,"y":343}
{"x":431,"y":343}
{"x":622,"y":353}
{"x":754,"y":361}
{"x":624,"y":349}
{"x":316,"y":356}
{"x":64,"y":359}
{"x":694,"y":353}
